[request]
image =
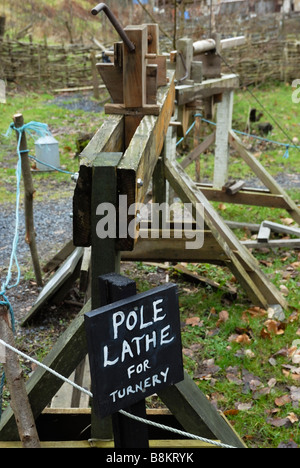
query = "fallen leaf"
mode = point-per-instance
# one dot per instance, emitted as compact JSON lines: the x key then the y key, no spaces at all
{"x":279,"y":422}
{"x":194,"y":321}
{"x":284,"y":290}
{"x":283,"y":400}
{"x":287,"y":221}
{"x":272,"y":382}
{"x":231,"y":412}
{"x":275,"y":327}
{"x":292,"y":417}
{"x":223,"y":317}
{"x":244,"y":406}
{"x":295,"y":394}
{"x":265,"y":334}
{"x":243,"y":339}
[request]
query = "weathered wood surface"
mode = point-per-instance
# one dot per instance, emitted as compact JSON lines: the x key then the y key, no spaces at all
{"x":65,"y":356}
{"x":16,"y":386}
{"x":244,"y":197}
{"x":174,"y":249}
{"x":188,"y":93}
{"x":244,"y":266}
{"x":109,"y":138}
{"x":141,"y":156}
{"x":55,"y":284}
{"x":85,"y":444}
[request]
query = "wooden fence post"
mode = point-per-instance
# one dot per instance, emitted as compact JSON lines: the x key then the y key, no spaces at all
{"x":16,"y":385}
{"x":28,"y":197}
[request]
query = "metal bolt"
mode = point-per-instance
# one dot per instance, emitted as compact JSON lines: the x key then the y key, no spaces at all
{"x":140,"y":183}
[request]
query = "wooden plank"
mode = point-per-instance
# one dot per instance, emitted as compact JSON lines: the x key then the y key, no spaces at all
{"x":140,"y":158}
{"x":69,"y":350}
{"x":85,"y":444}
{"x":109,"y":138}
{"x":196,"y":414}
{"x":244,"y":197}
{"x":60,"y":257}
{"x":235,"y":187}
{"x":112,"y":76}
{"x":188,"y":93}
{"x":264,"y":176}
{"x":134,"y":67}
{"x":276,"y":227}
{"x":263,"y":233}
{"x":246,"y":268}
{"x":174,"y":250}
{"x":280,"y":244}
{"x":198,"y":150}
{"x":55,"y":284}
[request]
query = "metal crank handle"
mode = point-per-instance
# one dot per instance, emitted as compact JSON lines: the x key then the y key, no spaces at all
{"x":115,"y":23}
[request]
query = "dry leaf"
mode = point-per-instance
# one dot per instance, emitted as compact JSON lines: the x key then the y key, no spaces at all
{"x":284,"y":290}
{"x":223,"y":317}
{"x":243,"y":339}
{"x":194,"y":321}
{"x":283,"y":400}
{"x":243,"y":406}
{"x":292,"y":417}
{"x":287,"y":221}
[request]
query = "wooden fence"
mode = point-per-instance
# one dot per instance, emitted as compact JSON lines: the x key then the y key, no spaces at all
{"x":258,"y":62}
{"x":33,"y":64}
{"x":272,"y":51}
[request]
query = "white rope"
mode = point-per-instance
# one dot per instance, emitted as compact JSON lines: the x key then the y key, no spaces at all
{"x":125,"y":413}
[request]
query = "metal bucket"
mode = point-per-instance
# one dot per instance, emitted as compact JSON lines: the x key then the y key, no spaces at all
{"x":46,"y":151}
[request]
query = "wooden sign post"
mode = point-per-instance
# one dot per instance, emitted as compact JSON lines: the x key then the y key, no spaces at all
{"x":134,"y":348}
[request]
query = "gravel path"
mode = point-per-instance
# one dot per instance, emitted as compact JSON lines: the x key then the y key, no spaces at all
{"x":53,"y":226}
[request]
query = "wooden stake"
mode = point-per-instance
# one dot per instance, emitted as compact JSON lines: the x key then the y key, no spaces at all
{"x":28,"y":201}
{"x":16,"y":385}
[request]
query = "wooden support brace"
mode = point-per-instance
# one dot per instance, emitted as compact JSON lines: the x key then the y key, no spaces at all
{"x":245,"y":267}
{"x":264,"y":176}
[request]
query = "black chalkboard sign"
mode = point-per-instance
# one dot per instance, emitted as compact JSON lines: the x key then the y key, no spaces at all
{"x":134,"y":348}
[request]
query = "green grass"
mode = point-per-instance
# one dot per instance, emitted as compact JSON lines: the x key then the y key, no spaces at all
{"x":65,"y":125}
{"x":277,"y":100}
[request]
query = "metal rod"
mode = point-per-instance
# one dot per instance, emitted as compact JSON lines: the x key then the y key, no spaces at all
{"x":115,"y":23}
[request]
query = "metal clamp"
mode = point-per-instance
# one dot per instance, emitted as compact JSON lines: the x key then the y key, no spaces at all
{"x":115,"y":23}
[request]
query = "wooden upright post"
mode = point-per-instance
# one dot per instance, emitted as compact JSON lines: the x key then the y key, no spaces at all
{"x":224,"y":123}
{"x":29,"y":193}
{"x":127,"y":432}
{"x":104,"y":256}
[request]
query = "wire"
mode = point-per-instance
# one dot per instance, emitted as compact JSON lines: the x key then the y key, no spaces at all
{"x":260,"y":103}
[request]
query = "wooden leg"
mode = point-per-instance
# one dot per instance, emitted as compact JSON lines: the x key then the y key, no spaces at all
{"x":224,"y":123}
